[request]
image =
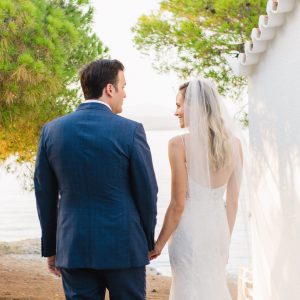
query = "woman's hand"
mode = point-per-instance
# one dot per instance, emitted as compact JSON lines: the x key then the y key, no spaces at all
{"x":155,"y":252}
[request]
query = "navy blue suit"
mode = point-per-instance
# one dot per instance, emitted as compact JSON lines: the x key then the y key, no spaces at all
{"x":96,"y":191}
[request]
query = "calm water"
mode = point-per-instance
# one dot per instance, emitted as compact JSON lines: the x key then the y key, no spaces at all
{"x":18,"y":219}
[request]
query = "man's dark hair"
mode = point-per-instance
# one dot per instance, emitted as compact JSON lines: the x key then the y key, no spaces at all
{"x":95,"y":76}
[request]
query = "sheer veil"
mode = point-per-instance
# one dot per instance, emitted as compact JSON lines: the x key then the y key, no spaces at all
{"x":216,"y":151}
{"x":213,"y":143}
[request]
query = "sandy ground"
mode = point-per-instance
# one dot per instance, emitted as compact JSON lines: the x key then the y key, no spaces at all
{"x":24,"y":276}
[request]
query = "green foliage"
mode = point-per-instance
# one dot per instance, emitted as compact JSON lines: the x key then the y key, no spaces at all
{"x":43,"y":44}
{"x":193,"y":36}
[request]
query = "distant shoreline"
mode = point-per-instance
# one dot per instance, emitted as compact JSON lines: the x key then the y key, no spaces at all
{"x":31,"y":247}
{"x":25,"y":246}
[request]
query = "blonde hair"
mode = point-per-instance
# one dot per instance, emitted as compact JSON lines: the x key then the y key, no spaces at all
{"x":218,"y":139}
{"x":220,"y":152}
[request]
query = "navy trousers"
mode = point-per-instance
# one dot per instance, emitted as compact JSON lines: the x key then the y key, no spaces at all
{"x":90,"y":284}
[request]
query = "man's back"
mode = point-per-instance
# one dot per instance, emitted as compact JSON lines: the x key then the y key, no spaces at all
{"x":94,"y":155}
{"x":96,"y":192}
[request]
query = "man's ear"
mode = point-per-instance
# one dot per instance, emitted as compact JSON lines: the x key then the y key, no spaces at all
{"x":109,"y":90}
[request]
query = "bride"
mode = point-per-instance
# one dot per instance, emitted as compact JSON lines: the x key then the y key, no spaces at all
{"x":205,"y":163}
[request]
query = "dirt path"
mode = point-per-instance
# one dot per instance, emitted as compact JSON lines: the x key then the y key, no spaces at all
{"x":24,"y":276}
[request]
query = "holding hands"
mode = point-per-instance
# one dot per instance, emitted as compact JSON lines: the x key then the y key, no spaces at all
{"x":156,"y":251}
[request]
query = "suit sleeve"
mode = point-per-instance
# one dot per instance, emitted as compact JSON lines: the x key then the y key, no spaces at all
{"x":144,"y":184}
{"x":46,"y":192}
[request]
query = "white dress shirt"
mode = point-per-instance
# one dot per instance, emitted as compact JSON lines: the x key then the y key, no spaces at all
{"x":97,"y":101}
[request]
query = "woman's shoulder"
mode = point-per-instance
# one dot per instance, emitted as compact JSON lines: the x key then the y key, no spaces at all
{"x":176,"y":148}
{"x":235,"y":141}
{"x":237,"y":145}
{"x":176,"y":141}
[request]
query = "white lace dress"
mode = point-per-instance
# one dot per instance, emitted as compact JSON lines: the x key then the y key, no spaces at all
{"x":199,"y":247}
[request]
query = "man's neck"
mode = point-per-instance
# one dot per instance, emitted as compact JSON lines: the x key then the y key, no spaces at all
{"x":101,"y":101}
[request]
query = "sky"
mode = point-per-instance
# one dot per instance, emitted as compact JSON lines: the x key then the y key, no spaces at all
{"x":150,"y":96}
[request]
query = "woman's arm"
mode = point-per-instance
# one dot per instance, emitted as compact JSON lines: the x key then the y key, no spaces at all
{"x":233,"y":188}
{"x":178,"y":194}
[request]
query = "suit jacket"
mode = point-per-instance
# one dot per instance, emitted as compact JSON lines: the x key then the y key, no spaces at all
{"x":96,"y":190}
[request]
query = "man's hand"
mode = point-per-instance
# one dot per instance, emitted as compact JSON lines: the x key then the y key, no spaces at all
{"x":51,"y":266}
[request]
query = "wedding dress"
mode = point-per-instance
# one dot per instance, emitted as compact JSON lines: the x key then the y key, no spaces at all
{"x":199,"y":247}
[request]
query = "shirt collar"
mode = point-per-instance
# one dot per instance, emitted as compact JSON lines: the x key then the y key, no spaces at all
{"x":97,"y":101}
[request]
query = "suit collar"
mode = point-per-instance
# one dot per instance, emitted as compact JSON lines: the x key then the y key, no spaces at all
{"x":93,"y":105}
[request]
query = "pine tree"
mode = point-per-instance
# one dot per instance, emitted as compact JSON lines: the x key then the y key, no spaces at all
{"x":43,"y":44}
{"x":193,"y":36}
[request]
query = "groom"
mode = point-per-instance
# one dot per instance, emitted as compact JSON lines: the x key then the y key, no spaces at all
{"x":96,"y":192}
